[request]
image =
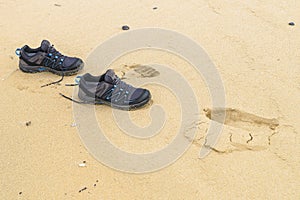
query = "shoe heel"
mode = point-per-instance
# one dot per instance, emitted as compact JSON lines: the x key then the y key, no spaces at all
{"x":30,"y":69}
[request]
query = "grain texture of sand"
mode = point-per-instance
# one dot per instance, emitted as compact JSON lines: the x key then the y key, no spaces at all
{"x":251,"y":43}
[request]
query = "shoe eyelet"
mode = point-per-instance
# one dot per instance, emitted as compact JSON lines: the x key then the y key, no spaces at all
{"x":18,"y":52}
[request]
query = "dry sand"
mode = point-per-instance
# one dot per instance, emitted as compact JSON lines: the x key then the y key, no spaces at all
{"x":255,"y":51}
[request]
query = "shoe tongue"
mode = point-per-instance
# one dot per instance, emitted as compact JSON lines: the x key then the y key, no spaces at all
{"x":110,"y":76}
{"x":45,"y":45}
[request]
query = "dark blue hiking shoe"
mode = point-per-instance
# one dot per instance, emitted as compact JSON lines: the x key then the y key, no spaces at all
{"x":109,"y":89}
{"x":47,"y":58}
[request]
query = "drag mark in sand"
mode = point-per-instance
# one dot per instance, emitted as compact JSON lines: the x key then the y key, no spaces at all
{"x":6,"y":76}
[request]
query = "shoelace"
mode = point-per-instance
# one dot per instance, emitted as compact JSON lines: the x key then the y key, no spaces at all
{"x":54,"y":56}
{"x":54,"y":82}
{"x":73,"y":100}
{"x":73,"y":84}
{"x":120,"y":87}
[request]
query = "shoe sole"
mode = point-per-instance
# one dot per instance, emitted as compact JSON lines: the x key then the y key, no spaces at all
{"x":89,"y":100}
{"x":24,"y":67}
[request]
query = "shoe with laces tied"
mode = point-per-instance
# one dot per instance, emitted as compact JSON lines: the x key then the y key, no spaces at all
{"x":109,"y":89}
{"x":47,"y":58}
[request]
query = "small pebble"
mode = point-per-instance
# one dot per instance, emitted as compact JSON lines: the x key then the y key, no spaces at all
{"x":95,"y":185}
{"x":58,"y":5}
{"x":28,"y":123}
{"x":20,"y":193}
{"x":125,"y":28}
{"x":292,"y":24}
{"x":82,"y":165}
{"x":154,"y":8}
{"x":84,"y":161}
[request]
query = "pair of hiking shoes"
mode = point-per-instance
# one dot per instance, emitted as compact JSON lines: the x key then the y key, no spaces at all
{"x":106,"y":89}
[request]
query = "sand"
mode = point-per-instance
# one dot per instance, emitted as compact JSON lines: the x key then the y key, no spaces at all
{"x":255,"y":51}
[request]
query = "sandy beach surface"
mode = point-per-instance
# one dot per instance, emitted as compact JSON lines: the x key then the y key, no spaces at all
{"x":255,"y":50}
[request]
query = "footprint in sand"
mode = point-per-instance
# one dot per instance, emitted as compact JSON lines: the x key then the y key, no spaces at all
{"x":22,"y":87}
{"x":140,"y":71}
{"x":240,"y":119}
{"x":254,"y":133}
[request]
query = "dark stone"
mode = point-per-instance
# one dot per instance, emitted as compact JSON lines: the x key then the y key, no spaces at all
{"x":292,"y":24}
{"x":154,"y":8}
{"x":125,"y":28}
